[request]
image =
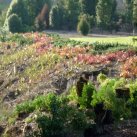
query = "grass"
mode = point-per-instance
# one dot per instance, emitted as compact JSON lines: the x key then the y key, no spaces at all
{"x":43,"y":63}
{"x":121,"y":40}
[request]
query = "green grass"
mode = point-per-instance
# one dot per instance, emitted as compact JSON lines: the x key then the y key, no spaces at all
{"x":121,"y":40}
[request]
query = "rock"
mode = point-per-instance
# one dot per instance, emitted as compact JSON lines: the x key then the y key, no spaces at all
{"x":123,"y":93}
{"x":8,"y":47}
{"x":12,"y":95}
{"x":30,"y":129}
{"x":22,"y":116}
{"x":21,"y":68}
{"x":80,"y":84}
{"x":13,"y":81}
{"x":91,"y":131}
{"x":1,"y":81}
{"x":14,"y":131}
{"x":60,"y":84}
{"x":1,"y":52}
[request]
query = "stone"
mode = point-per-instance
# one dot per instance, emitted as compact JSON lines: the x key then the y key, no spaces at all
{"x":12,"y":95}
{"x":60,"y":83}
{"x":1,"y":81}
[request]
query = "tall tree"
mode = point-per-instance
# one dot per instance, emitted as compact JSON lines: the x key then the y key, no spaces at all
{"x":71,"y":11}
{"x":128,"y":11}
{"x":134,"y":15}
{"x":88,"y":6}
{"x":28,"y":10}
{"x":104,"y":13}
{"x":56,"y":17}
{"x":34,"y":7}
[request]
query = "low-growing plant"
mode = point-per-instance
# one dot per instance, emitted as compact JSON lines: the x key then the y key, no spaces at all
{"x":59,"y":118}
{"x":103,"y":47}
{"x":101,"y":78}
{"x":107,"y":96}
{"x":85,"y":100}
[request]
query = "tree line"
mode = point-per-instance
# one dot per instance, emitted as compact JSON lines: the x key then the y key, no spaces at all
{"x":28,"y":15}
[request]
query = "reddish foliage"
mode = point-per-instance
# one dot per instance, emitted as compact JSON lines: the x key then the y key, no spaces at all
{"x":129,"y":69}
{"x":107,"y":58}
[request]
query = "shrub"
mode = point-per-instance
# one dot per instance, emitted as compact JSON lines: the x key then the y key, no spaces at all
{"x":83,"y":26}
{"x":59,"y":117}
{"x":90,"y":19}
{"x":18,"y":7}
{"x":87,"y":92}
{"x":14,"y":23}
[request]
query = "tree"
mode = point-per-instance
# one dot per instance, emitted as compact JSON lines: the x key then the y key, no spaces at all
{"x":56,"y":17}
{"x":34,"y":7}
{"x":114,"y":6}
{"x":70,"y":10}
{"x":135,"y":14}
{"x":28,"y":10}
{"x":104,"y":13}
{"x":129,"y":11}
{"x":88,"y":6}
{"x":73,"y":10}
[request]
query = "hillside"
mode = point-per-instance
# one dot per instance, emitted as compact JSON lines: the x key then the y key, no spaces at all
{"x":36,"y":68}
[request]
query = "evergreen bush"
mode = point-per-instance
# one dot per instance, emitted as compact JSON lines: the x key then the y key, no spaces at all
{"x":83,"y":26}
{"x":14,"y":23}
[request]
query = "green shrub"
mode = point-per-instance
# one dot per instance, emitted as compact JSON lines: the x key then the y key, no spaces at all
{"x":133,"y":99}
{"x":59,"y":117}
{"x":90,"y":19}
{"x":83,"y":26}
{"x":106,"y":95}
{"x":17,"y":7}
{"x":85,"y":100}
{"x":14,"y":23}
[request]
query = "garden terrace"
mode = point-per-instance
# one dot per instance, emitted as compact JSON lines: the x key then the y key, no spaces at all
{"x":57,"y":80}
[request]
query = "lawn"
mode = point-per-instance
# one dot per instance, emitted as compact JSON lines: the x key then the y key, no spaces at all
{"x":121,"y":40}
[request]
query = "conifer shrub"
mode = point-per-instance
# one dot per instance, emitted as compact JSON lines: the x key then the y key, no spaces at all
{"x":14,"y":23}
{"x":83,"y":26}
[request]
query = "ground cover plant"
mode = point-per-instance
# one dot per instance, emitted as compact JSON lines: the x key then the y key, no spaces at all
{"x":49,"y":83}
